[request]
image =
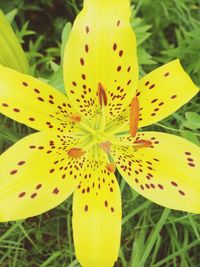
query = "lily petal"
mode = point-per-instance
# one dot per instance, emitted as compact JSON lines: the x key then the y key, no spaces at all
{"x":97,"y":216}
{"x":37,"y":175}
{"x":167,"y":172}
{"x":160,"y":93}
{"x":34,"y":103}
{"x":101,"y":50}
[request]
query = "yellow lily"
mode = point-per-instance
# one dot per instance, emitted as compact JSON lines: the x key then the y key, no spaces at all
{"x":81,"y":139}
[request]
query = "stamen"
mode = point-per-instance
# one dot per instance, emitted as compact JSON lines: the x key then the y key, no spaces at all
{"x":102,"y":95}
{"x":106,"y":146}
{"x":75,"y":117}
{"x":111,"y":167}
{"x":75,"y":152}
{"x":134,"y":116}
{"x":142,"y":143}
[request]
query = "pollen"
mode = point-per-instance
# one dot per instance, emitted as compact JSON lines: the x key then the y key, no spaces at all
{"x":75,"y":152}
{"x":111,"y":167}
{"x":134,"y":116}
{"x":75,"y":117}
{"x":143,"y":143}
{"x":102,"y":95}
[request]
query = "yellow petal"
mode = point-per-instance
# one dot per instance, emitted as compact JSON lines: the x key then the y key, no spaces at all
{"x":167,"y":173}
{"x":97,"y":216}
{"x":34,"y":103}
{"x":101,"y":50}
{"x":37,"y":175}
{"x":160,"y":93}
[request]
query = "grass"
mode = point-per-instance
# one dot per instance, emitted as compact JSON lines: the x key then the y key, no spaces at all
{"x":152,"y":236}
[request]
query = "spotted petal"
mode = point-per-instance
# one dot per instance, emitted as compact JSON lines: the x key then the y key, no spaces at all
{"x":37,"y":175}
{"x":34,"y":103}
{"x":167,"y":173}
{"x":160,"y":93}
{"x":101,"y":50}
{"x":97,"y":216}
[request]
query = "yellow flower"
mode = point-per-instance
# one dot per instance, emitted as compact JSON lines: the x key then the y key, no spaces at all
{"x":81,"y":139}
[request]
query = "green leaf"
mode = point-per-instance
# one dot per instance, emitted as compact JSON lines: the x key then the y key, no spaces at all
{"x":65,"y":35}
{"x":192,"y":120}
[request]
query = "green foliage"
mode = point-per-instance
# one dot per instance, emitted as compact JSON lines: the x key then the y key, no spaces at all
{"x":152,"y":236}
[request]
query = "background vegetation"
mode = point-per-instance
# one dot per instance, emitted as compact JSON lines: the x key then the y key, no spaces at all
{"x":152,"y":236}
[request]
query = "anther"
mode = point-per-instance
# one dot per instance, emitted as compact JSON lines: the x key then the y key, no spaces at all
{"x":111,"y":167}
{"x":134,"y":116}
{"x":75,"y":152}
{"x":142,"y":143}
{"x":102,"y":95}
{"x":106,"y":146}
{"x":75,"y":117}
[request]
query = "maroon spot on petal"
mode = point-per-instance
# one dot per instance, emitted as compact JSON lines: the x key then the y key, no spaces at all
{"x":16,"y":110}
{"x":13,"y":172}
{"x":191,"y":164}
{"x":154,"y":100}
{"x":74,"y":83}
{"x":129,"y":68}
{"x":119,"y":68}
{"x":40,"y":147}
{"x":118,"y":23}
{"x":86,"y":48}
{"x":22,"y":162}
{"x":106,"y":203}
{"x":31,"y":119}
{"x":190,"y":159}
{"x":114,"y":46}
{"x":52,"y":170}
{"x":22,"y":194}
{"x":82,"y":61}
{"x":174,"y":183}
{"x":147,"y":186}
{"x":128,"y":83}
{"x":166,"y":74}
{"x":136,"y":180}
{"x":87,"y":29}
{"x":40,"y":99}
{"x":112,"y":209}
{"x":160,"y":186}
{"x":4,"y":105}
{"x":83,"y":76}
{"x":152,"y":186}
{"x":72,"y":92}
{"x":25,"y":84}
{"x":32,"y":147}
{"x":86,"y":208}
{"x":147,"y":83}
{"x":38,"y":186}
{"x":152,"y":86}
{"x":121,"y":53}
{"x":174,"y":96}
{"x":187,"y":153}
{"x":36,"y":91}
{"x":33,"y":195}
{"x":181,"y":192}
{"x":142,"y":187}
{"x":64,"y":175}
{"x":161,"y":103}
{"x":153,"y":114}
{"x":51,"y":102}
{"x":56,"y":191}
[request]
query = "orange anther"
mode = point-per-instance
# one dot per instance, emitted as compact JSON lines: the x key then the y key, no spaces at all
{"x":111,"y":167}
{"x":75,"y":152}
{"x":142,"y":143}
{"x":106,"y":146}
{"x":134,"y":116}
{"x":102,"y":95}
{"x":75,"y":117}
